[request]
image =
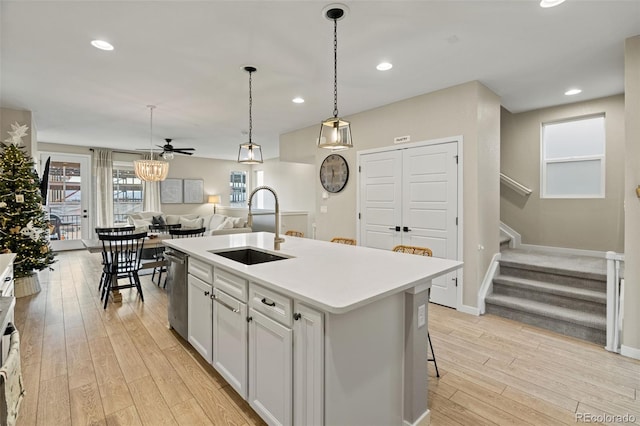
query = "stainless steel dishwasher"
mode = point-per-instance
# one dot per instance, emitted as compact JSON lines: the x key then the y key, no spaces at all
{"x":177,"y":288}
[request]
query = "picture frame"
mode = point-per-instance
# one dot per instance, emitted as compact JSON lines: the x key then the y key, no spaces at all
{"x":193,"y":191}
{"x":171,"y":191}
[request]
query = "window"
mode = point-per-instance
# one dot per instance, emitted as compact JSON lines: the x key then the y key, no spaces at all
{"x":238,"y":186}
{"x":573,"y":154}
{"x":127,"y":192}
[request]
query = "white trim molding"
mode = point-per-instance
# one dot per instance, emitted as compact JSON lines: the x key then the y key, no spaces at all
{"x":487,"y":282}
{"x":630,"y":352}
{"x":423,"y":420}
{"x":516,"y":238}
{"x":515,"y":185}
{"x":471,"y":310}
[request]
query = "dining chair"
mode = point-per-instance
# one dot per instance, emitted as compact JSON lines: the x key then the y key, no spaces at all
{"x":292,"y":233}
{"x":123,"y":255}
{"x":343,"y":240}
{"x":420,"y":251}
{"x":114,"y":230}
{"x":177,"y":233}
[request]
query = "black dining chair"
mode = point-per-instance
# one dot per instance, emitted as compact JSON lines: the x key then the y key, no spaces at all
{"x":155,"y":254}
{"x":122,"y":254}
{"x":113,"y":230}
{"x":180,"y":233}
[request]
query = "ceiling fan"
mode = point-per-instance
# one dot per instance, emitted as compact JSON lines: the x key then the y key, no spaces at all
{"x":169,"y":150}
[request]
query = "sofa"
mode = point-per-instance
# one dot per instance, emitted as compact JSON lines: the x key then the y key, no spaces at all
{"x":214,"y":224}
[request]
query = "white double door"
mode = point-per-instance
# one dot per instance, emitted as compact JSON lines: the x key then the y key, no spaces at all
{"x":410,"y":196}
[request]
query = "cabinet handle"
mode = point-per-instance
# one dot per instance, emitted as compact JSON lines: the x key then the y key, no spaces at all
{"x":297,"y":316}
{"x":206,"y":293}
{"x":269,"y":303}
{"x":8,"y":278}
{"x":234,"y":310}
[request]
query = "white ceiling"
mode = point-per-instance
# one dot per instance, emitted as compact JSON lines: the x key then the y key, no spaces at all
{"x":186,"y":58}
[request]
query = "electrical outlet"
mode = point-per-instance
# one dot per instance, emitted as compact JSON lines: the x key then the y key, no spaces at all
{"x":422,"y":315}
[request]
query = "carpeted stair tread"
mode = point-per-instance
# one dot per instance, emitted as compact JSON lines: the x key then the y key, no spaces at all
{"x":504,"y":239}
{"x":564,"y":314}
{"x":556,"y":289}
{"x":571,"y":265}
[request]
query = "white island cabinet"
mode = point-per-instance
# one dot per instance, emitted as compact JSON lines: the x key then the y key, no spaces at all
{"x":329,"y":335}
{"x":200,"y":313}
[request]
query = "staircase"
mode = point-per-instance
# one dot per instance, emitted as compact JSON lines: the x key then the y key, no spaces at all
{"x":562,"y":293}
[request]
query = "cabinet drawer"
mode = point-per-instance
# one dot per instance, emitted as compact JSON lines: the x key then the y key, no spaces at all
{"x":271,"y":304}
{"x":231,"y":284}
{"x":200,"y":269}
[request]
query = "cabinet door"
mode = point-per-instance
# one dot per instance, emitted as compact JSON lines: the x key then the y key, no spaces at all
{"x":270,"y":369}
{"x":200,"y":316}
{"x":308,"y":366}
{"x":230,"y":340}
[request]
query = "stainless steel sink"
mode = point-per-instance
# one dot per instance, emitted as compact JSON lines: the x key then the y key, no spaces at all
{"x":248,"y":256}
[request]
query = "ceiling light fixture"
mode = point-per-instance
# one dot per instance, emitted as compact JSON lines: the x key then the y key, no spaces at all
{"x":335,"y":133}
{"x":297,"y":100}
{"x":550,"y":3}
{"x":102,"y":45}
{"x":250,"y":153}
{"x":384,"y":66}
{"x":572,"y":92}
{"x":151,"y":170}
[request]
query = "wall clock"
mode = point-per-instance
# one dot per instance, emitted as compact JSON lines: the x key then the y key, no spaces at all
{"x":334,"y":173}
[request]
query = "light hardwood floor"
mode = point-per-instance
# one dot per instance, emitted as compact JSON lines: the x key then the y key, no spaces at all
{"x":122,"y":366}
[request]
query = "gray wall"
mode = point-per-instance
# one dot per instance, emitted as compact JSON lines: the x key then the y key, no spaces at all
{"x":589,"y":224}
{"x":470,"y":110}
{"x":631,"y":325}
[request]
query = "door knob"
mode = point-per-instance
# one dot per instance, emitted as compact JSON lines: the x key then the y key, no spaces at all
{"x":405,"y":229}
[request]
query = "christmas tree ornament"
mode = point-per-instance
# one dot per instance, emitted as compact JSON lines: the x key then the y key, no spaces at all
{"x":3,"y":204}
{"x":16,"y":134}
{"x":15,"y":229}
{"x":19,"y":198}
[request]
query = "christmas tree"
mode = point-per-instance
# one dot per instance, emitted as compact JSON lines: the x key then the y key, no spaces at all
{"x":23,"y":228}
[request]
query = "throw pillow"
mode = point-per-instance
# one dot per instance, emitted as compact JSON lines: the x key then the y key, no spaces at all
{"x":238,"y":222}
{"x":227,"y":224}
{"x":141,"y":225}
{"x":159,"y":220}
{"x":190,"y":223}
{"x":216,"y":221}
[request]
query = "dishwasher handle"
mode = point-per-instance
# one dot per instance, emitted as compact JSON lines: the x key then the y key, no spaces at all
{"x":173,"y":258}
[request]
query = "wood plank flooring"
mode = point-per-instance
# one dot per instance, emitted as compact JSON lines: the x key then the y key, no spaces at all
{"x":83,"y":365}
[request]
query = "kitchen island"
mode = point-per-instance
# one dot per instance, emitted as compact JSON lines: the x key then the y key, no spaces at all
{"x":330,"y":334}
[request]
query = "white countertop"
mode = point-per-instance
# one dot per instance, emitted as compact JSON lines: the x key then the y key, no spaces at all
{"x":333,"y":277}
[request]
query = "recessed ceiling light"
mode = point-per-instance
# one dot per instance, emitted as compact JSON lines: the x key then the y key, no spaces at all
{"x":102,"y":45}
{"x":297,"y":100}
{"x":550,"y":3}
{"x":384,"y":66}
{"x":572,"y":92}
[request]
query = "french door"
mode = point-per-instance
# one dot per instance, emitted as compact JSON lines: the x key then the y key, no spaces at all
{"x":410,"y":196}
{"x":68,"y":198}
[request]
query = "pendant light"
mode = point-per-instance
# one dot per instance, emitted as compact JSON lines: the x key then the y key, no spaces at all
{"x":250,"y":153}
{"x":335,"y":133}
{"x":151,"y":170}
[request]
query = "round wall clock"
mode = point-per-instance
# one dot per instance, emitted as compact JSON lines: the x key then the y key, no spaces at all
{"x":334,"y":173}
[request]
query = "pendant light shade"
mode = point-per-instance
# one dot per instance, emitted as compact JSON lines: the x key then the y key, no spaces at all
{"x":250,"y":153}
{"x":335,"y":132}
{"x":151,"y":170}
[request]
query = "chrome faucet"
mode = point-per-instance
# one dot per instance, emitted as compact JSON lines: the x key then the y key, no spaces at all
{"x":277,"y":240}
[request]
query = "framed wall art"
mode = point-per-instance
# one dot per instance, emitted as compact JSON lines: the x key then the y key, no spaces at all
{"x":171,"y":191}
{"x":193,"y":191}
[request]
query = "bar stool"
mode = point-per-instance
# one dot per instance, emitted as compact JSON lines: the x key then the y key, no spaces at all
{"x":292,"y":233}
{"x":420,"y":251}
{"x":343,"y":240}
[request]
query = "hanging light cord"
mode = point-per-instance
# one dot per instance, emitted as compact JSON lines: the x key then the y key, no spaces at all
{"x":335,"y":68}
{"x":250,"y":104}
{"x":151,"y":107}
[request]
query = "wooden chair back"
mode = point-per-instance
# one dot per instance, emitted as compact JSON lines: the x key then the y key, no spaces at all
{"x":420,"y":251}
{"x":187,"y":232}
{"x":343,"y":240}
{"x":294,"y":233}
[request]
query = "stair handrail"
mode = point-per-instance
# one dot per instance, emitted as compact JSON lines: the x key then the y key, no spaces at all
{"x":515,"y":185}
{"x":615,"y":295}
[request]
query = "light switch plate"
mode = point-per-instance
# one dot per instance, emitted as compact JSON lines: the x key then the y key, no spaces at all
{"x":422,"y":315}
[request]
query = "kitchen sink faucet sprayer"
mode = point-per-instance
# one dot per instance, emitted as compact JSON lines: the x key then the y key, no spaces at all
{"x":277,"y":240}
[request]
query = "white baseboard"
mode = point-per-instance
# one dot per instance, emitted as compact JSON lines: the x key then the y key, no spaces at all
{"x":630,"y":352}
{"x":564,"y":250}
{"x":487,"y":282}
{"x":423,"y":420}
{"x":516,"y":238}
{"x":469,"y":310}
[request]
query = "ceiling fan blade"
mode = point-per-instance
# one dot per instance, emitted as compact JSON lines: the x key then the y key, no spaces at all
{"x":183,"y":153}
{"x":184,"y":149}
